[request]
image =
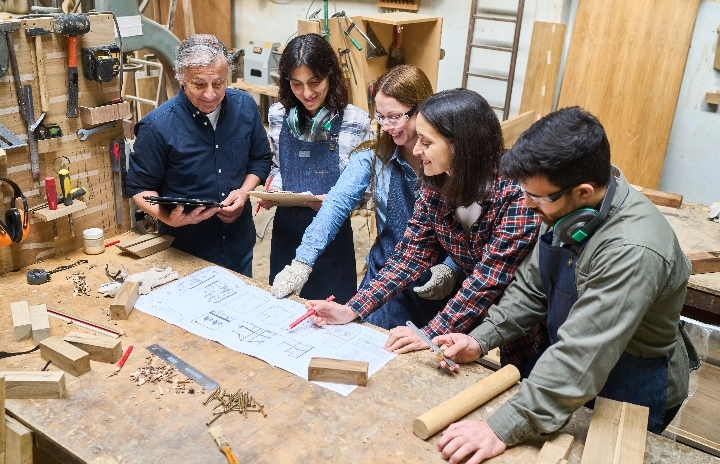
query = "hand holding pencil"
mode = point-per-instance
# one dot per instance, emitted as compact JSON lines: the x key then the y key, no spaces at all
{"x":328,"y":312}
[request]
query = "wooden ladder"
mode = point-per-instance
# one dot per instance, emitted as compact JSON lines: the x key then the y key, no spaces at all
{"x":488,"y":15}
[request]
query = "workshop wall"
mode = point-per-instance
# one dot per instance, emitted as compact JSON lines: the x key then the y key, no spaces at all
{"x":276,"y":22}
{"x":692,"y":160}
{"x":89,"y":160}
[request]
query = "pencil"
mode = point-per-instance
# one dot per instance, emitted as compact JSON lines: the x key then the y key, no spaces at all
{"x":121,"y":363}
{"x":311,"y":312}
{"x":267,"y":186}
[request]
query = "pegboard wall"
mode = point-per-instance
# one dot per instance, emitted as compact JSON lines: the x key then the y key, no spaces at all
{"x":89,"y":166}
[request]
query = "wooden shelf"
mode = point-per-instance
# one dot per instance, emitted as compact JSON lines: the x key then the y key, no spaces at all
{"x":269,"y":90}
{"x":46,"y":214}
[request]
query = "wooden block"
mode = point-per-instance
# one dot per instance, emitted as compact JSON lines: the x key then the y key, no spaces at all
{"x":40,"y":322}
{"x":2,"y":408}
{"x":145,"y":245}
{"x":122,"y":304}
{"x":671,"y":200}
{"x":19,"y":447}
{"x":46,"y":214}
{"x":65,"y":356}
{"x":491,"y":360}
{"x":21,"y":320}
{"x":704,"y":262}
{"x":102,"y":114}
{"x":617,"y":433}
{"x":555,"y":449}
{"x":712,"y":98}
{"x":99,"y":347}
{"x":34,"y":384}
{"x":513,"y":127}
{"x":338,"y":371}
{"x":48,"y":145}
{"x":306,"y":26}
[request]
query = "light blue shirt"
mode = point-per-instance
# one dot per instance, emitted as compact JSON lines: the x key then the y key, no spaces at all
{"x":346,"y":196}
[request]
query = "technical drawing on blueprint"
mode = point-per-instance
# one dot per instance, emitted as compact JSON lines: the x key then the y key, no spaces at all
{"x":216,"y":304}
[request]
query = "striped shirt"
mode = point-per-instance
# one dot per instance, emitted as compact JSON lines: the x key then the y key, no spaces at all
{"x":355,"y":128}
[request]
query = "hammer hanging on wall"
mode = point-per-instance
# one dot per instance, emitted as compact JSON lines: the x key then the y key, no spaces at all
{"x":72,"y":25}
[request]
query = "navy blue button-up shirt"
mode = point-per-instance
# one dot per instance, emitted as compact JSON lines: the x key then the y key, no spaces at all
{"x":178,"y":154}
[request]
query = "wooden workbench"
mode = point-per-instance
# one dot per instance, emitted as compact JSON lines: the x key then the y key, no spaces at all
{"x":110,"y":419}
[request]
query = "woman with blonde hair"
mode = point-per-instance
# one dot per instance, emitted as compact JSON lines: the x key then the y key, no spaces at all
{"x":387,"y":166}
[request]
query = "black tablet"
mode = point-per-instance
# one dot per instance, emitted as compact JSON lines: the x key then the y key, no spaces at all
{"x":182,"y":201}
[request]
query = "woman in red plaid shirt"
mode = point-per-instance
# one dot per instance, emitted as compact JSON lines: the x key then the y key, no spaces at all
{"x":466,"y":208}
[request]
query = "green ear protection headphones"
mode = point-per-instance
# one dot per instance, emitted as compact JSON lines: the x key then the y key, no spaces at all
{"x":16,"y":227}
{"x":578,"y":225}
{"x":321,"y":121}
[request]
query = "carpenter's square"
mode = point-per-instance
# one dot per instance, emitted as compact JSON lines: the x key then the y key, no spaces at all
{"x":438,"y":352}
{"x":201,"y":379}
{"x":117,"y":182}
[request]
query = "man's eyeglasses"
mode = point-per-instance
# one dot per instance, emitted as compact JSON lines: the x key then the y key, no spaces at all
{"x":546,"y":200}
{"x":391,"y":121}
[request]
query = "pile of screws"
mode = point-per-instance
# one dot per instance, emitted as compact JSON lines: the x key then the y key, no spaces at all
{"x":80,"y":287}
{"x":158,"y":371}
{"x":241,"y":402}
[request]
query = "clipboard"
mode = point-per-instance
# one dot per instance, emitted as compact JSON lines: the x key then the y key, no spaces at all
{"x":286,"y":198}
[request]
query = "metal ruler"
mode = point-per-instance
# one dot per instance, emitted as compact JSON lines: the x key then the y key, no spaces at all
{"x":201,"y":379}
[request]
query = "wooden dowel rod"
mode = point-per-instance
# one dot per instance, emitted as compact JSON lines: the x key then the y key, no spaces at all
{"x":466,"y":401}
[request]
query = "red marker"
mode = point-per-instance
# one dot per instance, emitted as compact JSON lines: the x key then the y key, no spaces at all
{"x":114,"y":242}
{"x":121,"y":363}
{"x":311,"y":312}
{"x":267,"y":186}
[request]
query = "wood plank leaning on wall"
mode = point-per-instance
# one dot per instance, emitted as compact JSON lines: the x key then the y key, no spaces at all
{"x":543,"y":68}
{"x":625,"y":65}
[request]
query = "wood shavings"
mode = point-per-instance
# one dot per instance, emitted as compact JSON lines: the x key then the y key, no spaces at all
{"x":80,"y":287}
{"x":158,"y":371}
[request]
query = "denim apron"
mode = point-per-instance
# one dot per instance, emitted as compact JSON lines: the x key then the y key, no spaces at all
{"x":313,"y":167}
{"x":642,"y":381}
{"x":406,"y":305}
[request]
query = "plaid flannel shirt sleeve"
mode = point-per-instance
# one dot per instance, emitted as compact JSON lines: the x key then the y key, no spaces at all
{"x":413,"y":255}
{"x":513,"y":235}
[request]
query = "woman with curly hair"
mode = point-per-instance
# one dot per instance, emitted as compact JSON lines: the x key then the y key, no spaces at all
{"x":313,"y":129}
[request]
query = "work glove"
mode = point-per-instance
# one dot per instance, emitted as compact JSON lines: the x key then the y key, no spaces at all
{"x":441,"y":283}
{"x":148,"y":280}
{"x":291,"y":279}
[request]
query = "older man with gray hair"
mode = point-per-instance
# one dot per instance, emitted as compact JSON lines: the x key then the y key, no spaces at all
{"x":208,"y":142}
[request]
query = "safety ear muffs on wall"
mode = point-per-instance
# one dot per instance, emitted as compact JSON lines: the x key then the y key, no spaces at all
{"x":16,"y":227}
{"x":578,"y":225}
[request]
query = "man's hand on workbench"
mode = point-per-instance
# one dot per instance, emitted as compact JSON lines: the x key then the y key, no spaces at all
{"x":403,"y":340}
{"x":466,"y":438}
{"x":179,"y":218}
{"x":459,"y":347}
{"x":327,"y":312}
{"x":234,"y":205}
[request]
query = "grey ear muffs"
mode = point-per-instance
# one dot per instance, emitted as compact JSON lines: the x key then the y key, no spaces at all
{"x":580,"y":224}
{"x":321,"y":121}
{"x":16,"y":227}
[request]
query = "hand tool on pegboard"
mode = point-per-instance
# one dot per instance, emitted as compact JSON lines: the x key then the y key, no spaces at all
{"x":72,"y":25}
{"x":38,"y":33}
{"x":32,"y":125}
{"x":375,"y":51}
{"x":117,"y":182}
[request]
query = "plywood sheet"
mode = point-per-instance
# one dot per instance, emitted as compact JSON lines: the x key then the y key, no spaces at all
{"x":209,"y":17}
{"x":542,"y":68}
{"x":625,"y":65}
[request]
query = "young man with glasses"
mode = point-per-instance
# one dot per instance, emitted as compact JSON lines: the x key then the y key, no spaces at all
{"x":609,"y":277}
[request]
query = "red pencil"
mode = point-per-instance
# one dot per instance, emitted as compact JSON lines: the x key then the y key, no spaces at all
{"x":311,"y":312}
{"x":267,"y":186}
{"x":114,"y":242}
{"x":121,"y":363}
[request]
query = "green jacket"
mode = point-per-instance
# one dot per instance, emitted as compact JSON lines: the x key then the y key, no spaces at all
{"x":631,"y":280}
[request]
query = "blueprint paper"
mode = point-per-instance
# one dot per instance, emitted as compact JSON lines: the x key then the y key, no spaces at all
{"x":217,"y":305}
